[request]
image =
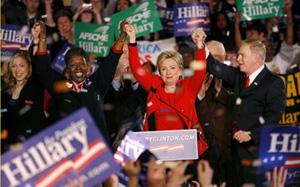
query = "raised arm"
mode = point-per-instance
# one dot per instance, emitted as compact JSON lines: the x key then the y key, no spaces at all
{"x":237,"y":30}
{"x":290,"y":25}
{"x":41,"y":60}
{"x":97,"y":9}
{"x":142,"y":75}
{"x":79,"y":11}
{"x":49,"y":19}
{"x":199,"y":66}
{"x":105,"y":73}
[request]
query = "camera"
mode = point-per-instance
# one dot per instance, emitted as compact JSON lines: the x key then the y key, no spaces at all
{"x":87,"y":5}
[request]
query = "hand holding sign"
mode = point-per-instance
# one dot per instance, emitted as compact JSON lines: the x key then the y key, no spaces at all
{"x":43,"y":31}
{"x":71,"y":183}
{"x":42,"y":37}
{"x":198,"y":37}
{"x":129,"y":29}
{"x":277,"y":177}
{"x":205,"y":173}
{"x":156,"y":174}
{"x":177,"y":176}
{"x":132,"y":168}
{"x":123,"y":27}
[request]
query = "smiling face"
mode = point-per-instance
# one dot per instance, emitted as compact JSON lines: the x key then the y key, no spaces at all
{"x":20,"y":69}
{"x":64,"y":26}
{"x":77,"y":69}
{"x":251,"y":57}
{"x":170,"y":71}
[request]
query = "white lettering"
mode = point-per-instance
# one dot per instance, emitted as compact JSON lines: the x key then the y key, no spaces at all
{"x":284,"y":142}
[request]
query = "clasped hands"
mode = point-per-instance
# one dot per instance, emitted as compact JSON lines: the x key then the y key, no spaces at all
{"x":198,"y":37}
{"x":242,"y":136}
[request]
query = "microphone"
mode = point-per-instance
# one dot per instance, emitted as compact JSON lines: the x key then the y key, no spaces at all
{"x":194,"y":125}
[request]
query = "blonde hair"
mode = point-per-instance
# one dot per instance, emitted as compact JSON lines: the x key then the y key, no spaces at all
{"x":170,"y":55}
{"x":259,"y":48}
{"x":10,"y":78}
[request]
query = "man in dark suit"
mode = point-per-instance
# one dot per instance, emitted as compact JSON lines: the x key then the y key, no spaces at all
{"x":260,"y":100}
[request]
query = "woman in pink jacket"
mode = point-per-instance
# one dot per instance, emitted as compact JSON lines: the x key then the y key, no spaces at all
{"x":171,"y":99}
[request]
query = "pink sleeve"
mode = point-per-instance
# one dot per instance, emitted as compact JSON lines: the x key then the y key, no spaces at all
{"x":195,"y":81}
{"x":139,"y":72}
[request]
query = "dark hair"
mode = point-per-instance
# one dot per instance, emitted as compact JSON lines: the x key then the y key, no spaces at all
{"x":76,"y":51}
{"x":63,"y":12}
{"x":185,"y":48}
{"x":129,"y":5}
{"x":87,"y":11}
{"x":216,"y":17}
{"x":259,"y":27}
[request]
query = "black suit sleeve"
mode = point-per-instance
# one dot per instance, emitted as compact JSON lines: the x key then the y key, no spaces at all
{"x":222,"y":71}
{"x":106,"y":72}
{"x":274,"y":107}
{"x":46,"y":75}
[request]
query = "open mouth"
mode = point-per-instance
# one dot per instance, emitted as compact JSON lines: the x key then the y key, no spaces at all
{"x":19,"y":75}
{"x":79,"y":74}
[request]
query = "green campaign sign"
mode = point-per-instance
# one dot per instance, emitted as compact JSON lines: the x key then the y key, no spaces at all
{"x":260,"y":9}
{"x":93,"y":38}
{"x":143,"y":17}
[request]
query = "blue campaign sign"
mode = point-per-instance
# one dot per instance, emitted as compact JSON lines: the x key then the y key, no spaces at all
{"x":131,"y":147}
{"x":14,"y":38}
{"x":280,"y":146}
{"x":189,"y":16}
{"x":58,"y":64}
{"x":172,"y":144}
{"x":166,"y":17}
{"x":70,"y":149}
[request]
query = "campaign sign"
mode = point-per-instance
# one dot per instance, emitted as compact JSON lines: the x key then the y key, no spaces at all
{"x":260,"y":9}
{"x":149,"y":51}
{"x":93,"y":38}
{"x":58,"y":64}
{"x":280,"y":147}
{"x":69,"y":149}
{"x":143,"y":17}
{"x":166,"y":17}
{"x":291,"y":115}
{"x":172,"y":144}
{"x":189,"y":16}
{"x":14,"y":38}
{"x":131,"y":147}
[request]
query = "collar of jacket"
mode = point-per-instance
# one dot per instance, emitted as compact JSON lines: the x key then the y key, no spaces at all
{"x":79,"y":87}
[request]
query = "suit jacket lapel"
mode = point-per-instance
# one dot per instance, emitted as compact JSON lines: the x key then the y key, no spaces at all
{"x":257,"y":81}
